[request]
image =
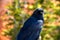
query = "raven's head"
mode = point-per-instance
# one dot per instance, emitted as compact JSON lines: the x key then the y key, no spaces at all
{"x":38,"y":13}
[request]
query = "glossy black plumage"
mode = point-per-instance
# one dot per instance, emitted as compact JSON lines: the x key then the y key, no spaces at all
{"x":32,"y":27}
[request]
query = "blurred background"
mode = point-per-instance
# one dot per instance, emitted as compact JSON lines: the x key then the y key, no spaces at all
{"x":13,"y":14}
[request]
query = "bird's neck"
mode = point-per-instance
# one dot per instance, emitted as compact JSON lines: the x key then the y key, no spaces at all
{"x":39,"y":17}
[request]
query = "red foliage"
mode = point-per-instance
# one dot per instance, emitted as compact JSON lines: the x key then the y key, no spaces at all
{"x":3,"y":10}
{"x":5,"y":37}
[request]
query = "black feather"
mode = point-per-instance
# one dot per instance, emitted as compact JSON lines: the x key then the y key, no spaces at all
{"x":32,"y":27}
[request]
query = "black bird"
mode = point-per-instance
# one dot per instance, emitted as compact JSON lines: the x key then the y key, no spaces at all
{"x":32,"y":27}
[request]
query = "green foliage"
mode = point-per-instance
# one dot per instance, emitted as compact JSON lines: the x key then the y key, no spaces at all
{"x":49,"y":32}
{"x":57,"y":12}
{"x":41,"y":1}
{"x":19,"y":18}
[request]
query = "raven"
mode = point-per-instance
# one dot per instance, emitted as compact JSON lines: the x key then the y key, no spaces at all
{"x":32,"y":27}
